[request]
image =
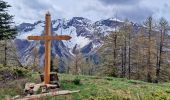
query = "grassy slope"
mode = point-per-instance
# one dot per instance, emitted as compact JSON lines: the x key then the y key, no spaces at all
{"x":106,"y":88}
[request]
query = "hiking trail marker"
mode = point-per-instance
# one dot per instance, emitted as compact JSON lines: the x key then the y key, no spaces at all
{"x":47,"y":37}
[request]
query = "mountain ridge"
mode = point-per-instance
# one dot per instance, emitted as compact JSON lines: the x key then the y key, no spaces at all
{"x":86,"y":36}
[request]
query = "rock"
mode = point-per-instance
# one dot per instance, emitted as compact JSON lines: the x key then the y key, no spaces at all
{"x":28,"y":86}
{"x":32,"y":88}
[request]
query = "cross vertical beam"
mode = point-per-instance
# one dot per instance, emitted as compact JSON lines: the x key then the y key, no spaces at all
{"x":47,"y":49}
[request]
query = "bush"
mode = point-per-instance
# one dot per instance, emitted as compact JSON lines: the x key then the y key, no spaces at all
{"x":11,"y":73}
{"x":76,"y":81}
{"x":21,"y":72}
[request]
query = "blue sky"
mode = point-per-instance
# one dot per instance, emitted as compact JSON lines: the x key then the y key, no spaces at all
{"x":135,"y":10}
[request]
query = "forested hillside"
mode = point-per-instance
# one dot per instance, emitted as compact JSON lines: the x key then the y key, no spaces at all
{"x":142,"y":54}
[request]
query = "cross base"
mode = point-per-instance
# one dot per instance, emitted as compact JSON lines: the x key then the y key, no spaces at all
{"x":53,"y":79}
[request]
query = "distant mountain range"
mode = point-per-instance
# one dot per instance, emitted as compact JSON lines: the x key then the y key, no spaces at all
{"x":86,"y":35}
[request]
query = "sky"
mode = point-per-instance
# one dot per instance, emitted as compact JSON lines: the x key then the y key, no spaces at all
{"x":134,"y":10}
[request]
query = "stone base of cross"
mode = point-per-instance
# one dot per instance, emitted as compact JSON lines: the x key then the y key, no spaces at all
{"x":47,"y":37}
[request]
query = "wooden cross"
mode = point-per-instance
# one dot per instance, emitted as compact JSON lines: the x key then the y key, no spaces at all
{"x":47,"y":38}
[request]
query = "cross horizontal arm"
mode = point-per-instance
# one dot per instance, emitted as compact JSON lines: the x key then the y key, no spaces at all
{"x":59,"y":37}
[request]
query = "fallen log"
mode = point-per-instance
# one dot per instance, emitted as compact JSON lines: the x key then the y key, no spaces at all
{"x":38,"y":96}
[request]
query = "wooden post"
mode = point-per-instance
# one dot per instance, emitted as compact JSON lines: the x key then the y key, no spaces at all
{"x":47,"y":48}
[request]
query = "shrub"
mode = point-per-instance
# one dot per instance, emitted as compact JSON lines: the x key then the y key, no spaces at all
{"x":10,"y":73}
{"x":76,"y":81}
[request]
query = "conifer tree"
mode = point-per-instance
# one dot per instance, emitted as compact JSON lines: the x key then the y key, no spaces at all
{"x":7,"y":30}
{"x":149,"y":27}
{"x":163,"y":26}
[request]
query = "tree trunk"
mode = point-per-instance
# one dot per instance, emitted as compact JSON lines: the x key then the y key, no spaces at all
{"x":122,"y":65}
{"x":5,"y":53}
{"x":159,"y":59}
{"x":149,"y":78}
{"x":138,"y":63}
{"x":125,"y":57}
{"x":129,"y":67}
{"x":114,"y":52}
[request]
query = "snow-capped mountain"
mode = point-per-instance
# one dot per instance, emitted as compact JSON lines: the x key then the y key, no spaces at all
{"x":86,"y":35}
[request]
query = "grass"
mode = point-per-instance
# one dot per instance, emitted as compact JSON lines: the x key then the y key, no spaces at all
{"x":104,"y":88}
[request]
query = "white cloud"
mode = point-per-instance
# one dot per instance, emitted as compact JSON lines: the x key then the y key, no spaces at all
{"x":34,"y":10}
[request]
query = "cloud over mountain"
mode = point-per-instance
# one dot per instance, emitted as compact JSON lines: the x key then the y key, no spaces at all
{"x":120,"y":2}
{"x":135,"y":10}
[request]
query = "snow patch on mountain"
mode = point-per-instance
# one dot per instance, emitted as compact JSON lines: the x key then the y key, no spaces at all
{"x":80,"y":40}
{"x":37,"y":31}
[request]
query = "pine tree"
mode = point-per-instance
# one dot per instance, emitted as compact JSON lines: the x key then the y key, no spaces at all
{"x":163,"y":26}
{"x":7,"y":30}
{"x":108,"y":54}
{"x":125,"y":32}
{"x":149,"y":26}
